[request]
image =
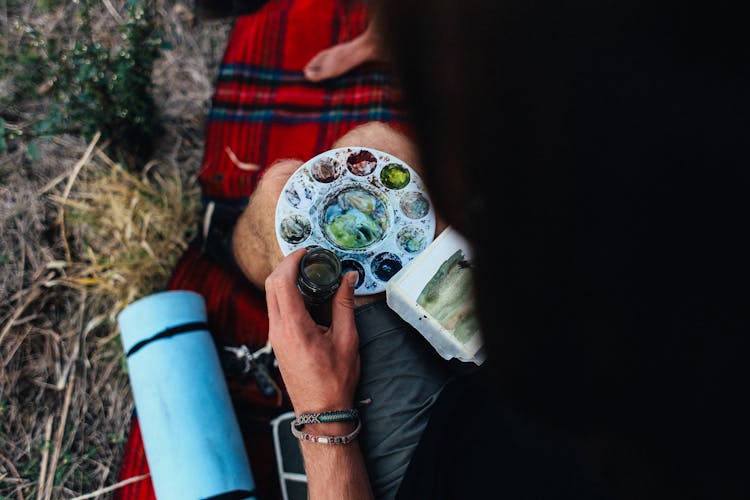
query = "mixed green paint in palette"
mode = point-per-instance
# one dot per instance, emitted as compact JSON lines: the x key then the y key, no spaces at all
{"x":367,"y":206}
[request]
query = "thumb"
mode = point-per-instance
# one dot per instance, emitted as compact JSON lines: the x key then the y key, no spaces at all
{"x":342,"y":306}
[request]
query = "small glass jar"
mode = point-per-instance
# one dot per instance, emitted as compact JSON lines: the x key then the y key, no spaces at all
{"x":319,"y":276}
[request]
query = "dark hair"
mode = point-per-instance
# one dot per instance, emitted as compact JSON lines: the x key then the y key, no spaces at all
{"x":596,"y":155}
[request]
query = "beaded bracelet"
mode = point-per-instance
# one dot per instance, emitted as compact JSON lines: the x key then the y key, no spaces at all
{"x":325,"y":418}
{"x":303,"y":436}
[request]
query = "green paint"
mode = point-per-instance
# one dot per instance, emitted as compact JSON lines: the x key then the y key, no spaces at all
{"x":354,"y":230}
{"x":412,"y":239}
{"x":448,"y":297}
{"x":395,"y":176}
{"x":355,"y":219}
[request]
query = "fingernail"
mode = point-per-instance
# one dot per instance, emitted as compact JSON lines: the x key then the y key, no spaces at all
{"x":351,"y":278}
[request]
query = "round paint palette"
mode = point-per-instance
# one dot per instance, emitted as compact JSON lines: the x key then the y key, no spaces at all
{"x":367,"y":206}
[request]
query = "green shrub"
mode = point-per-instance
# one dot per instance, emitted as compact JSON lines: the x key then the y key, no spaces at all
{"x":86,"y":82}
{"x":109,"y":88}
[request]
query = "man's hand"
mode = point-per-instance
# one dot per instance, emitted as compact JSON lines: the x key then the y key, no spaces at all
{"x":319,"y":365}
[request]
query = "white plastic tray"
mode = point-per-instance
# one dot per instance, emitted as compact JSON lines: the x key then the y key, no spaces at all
{"x":319,"y":206}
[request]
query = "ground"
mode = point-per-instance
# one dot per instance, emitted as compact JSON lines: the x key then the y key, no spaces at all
{"x":86,"y":227}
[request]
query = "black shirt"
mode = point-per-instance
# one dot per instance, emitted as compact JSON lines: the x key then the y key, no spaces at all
{"x":475,"y":446}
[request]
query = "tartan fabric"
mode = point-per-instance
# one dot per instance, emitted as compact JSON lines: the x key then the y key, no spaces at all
{"x":263,"y":110}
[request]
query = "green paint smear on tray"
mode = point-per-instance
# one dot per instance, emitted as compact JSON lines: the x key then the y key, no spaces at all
{"x":448,"y":297}
{"x":355,"y":219}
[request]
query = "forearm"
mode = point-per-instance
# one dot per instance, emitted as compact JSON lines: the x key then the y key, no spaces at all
{"x":320,"y":368}
{"x":335,"y":471}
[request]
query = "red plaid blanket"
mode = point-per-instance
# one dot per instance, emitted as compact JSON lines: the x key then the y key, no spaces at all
{"x":262,"y":110}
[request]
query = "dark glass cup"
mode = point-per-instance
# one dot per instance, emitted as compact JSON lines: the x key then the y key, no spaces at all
{"x":318,"y":279}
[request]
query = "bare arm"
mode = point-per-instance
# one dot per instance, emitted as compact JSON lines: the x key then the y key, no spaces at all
{"x":320,"y":368}
{"x":335,"y":472}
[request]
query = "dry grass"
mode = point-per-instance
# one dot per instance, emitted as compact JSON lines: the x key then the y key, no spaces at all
{"x":81,"y":237}
{"x":129,"y":228}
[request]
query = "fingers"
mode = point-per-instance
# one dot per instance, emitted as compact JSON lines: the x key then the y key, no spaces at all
{"x":274,"y":313}
{"x":286,"y":305}
{"x":282,"y":296}
{"x":342,"y":311}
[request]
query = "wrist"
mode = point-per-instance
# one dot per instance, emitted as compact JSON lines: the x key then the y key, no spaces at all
{"x":337,"y":427}
{"x":331,"y":428}
{"x":323,"y":406}
{"x":327,"y":438}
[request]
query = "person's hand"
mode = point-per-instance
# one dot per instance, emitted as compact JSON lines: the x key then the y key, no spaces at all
{"x":319,"y":365}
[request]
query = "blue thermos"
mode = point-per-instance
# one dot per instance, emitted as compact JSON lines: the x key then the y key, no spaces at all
{"x":190,"y":431}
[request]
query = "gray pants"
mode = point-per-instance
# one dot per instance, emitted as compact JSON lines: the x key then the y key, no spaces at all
{"x":403,"y":376}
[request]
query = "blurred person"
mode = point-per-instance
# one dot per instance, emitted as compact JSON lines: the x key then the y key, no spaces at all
{"x":594,"y":155}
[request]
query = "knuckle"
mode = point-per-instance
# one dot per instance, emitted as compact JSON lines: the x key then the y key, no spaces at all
{"x":271,"y":282}
{"x":346,"y":300}
{"x":351,"y":345}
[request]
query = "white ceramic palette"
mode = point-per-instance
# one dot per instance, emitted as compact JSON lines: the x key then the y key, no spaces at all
{"x":367,"y":206}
